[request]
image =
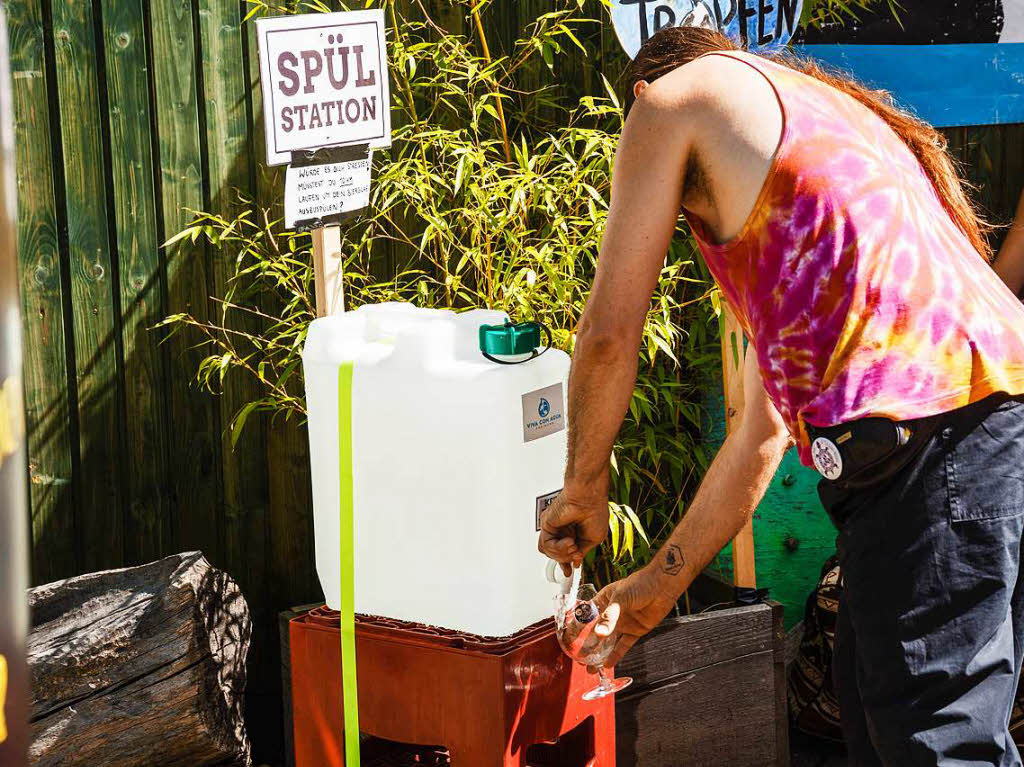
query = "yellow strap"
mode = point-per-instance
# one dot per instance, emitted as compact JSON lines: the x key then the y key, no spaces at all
{"x":349,"y":688}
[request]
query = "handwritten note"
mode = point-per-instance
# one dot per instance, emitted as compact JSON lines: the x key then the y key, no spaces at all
{"x":317,"y":192}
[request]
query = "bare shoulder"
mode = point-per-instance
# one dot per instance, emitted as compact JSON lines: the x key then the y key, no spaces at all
{"x":723,"y":118}
{"x":711,"y":84}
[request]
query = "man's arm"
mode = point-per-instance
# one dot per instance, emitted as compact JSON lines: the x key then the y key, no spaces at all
{"x":650,"y":167}
{"x":726,"y":499}
{"x":1010,"y":262}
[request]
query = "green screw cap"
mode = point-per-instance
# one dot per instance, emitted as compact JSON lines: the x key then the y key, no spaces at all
{"x":508,"y":339}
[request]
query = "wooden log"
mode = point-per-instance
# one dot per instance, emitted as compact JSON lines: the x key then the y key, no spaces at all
{"x":140,"y":666}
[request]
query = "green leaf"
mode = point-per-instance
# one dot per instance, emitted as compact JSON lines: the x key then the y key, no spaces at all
{"x":239,"y":421}
{"x":192,"y":232}
{"x":613,"y":526}
{"x":610,"y":90}
{"x":631,"y":515}
{"x":547,"y":52}
{"x":458,"y":173}
{"x":568,"y":33}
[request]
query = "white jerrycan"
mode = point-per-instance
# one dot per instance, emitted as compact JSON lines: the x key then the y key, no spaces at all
{"x":454,"y":454}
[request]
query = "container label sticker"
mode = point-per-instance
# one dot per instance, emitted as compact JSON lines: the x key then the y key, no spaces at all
{"x":543,"y":502}
{"x":543,"y":412}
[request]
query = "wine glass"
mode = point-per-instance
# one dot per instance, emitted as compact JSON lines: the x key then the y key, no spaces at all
{"x":576,"y":615}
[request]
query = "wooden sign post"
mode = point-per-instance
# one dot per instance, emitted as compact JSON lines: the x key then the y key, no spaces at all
{"x":733,"y":355}
{"x":326,"y":104}
{"x":328,"y":271}
{"x":323,"y":189}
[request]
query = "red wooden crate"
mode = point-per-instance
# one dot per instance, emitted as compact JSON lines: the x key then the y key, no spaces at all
{"x":488,"y":702}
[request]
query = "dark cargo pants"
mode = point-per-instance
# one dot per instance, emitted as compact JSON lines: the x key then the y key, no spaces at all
{"x":929,"y":637}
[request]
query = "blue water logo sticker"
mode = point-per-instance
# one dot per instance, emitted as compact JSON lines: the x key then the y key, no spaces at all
{"x":543,"y":412}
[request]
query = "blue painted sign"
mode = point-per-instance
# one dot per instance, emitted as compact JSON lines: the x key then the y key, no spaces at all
{"x":946,"y":85}
{"x":951,"y":62}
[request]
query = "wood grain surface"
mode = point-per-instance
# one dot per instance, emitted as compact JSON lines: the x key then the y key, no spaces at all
{"x":140,"y":666}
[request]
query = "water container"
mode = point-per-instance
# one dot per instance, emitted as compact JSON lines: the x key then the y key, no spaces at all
{"x":453,"y":457}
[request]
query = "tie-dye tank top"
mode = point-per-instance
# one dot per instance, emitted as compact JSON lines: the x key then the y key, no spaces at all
{"x":859,"y":294}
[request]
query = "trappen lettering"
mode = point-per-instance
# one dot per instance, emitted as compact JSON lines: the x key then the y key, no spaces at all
{"x":760,"y":22}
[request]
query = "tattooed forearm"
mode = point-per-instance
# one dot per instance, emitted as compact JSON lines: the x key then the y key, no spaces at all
{"x":674,"y":560}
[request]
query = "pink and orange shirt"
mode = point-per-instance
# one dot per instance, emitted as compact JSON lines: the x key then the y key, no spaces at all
{"x":859,"y":294}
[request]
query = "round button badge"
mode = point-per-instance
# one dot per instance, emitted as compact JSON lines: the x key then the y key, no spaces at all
{"x":827,"y":458}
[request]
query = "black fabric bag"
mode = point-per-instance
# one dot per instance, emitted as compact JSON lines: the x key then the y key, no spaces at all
{"x":813,"y":706}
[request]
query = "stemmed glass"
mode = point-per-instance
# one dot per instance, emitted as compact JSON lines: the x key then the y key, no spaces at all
{"x":576,"y":615}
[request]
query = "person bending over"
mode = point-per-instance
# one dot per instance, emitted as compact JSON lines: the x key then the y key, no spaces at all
{"x":882,"y":343}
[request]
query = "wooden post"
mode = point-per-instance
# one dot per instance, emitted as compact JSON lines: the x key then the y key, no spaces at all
{"x":328,"y":271}
{"x":733,"y":354}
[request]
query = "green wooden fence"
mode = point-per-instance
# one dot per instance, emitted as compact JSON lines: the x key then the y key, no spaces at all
{"x":130,"y":114}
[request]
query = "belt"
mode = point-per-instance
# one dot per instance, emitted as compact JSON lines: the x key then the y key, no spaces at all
{"x":857,"y":456}
{"x":868,"y":450}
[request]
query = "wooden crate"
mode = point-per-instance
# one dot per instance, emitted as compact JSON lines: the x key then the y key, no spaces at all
{"x":284,"y":632}
{"x":708,"y":689}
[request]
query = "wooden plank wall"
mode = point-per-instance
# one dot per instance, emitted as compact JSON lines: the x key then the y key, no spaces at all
{"x":129,"y":114}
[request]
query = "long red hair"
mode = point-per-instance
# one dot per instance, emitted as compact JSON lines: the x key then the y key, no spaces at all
{"x":672,"y":47}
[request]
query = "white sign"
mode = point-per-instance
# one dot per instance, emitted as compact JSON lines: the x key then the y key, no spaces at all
{"x":1013,"y":22}
{"x":314,"y":192}
{"x":325,"y":82}
{"x":758,"y":24}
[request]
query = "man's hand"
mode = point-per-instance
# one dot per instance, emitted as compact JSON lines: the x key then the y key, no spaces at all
{"x":570,"y":527}
{"x":632,"y":607}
